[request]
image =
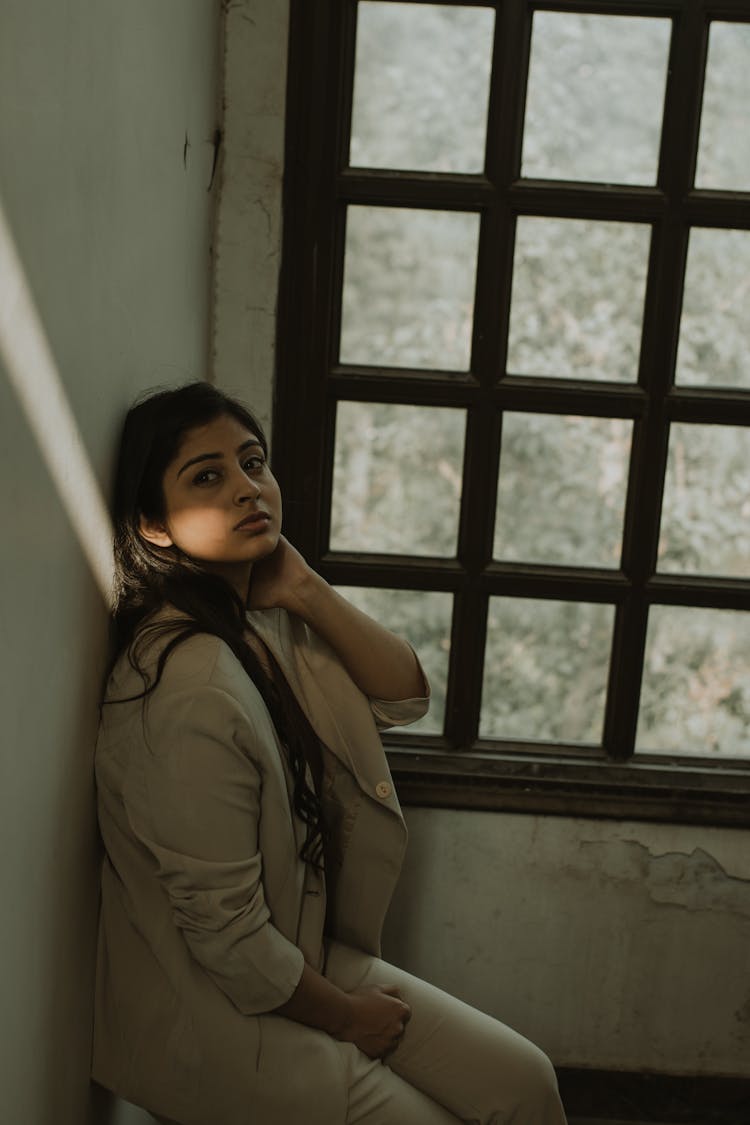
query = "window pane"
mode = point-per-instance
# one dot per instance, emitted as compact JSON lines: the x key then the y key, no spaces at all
{"x":714,"y":347}
{"x":422,"y":617}
{"x":695,"y":697}
{"x":577,"y":298}
{"x":561,"y":492}
{"x":546,"y":668}
{"x":421,"y":85}
{"x":409,"y":287}
{"x":705,"y":523}
{"x":724,"y":150}
{"x":397,"y":479}
{"x":595,"y":97}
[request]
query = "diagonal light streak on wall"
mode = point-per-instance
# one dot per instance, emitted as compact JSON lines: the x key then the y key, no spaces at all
{"x":34,"y":376}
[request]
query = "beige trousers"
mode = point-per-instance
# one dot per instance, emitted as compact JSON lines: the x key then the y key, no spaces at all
{"x":454,"y":1063}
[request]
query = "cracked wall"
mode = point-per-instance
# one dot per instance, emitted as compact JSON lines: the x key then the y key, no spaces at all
{"x":612,"y":945}
{"x":247,"y":238}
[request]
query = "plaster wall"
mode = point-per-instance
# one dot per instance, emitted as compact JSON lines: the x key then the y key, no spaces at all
{"x":107,"y":116}
{"x":248,"y":221}
{"x":616,"y":945}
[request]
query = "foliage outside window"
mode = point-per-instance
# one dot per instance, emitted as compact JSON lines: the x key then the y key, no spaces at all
{"x":514,"y":384}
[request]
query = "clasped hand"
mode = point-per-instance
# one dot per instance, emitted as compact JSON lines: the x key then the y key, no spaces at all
{"x":377,"y":1020}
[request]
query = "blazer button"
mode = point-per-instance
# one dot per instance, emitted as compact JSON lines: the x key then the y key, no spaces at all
{"x":383,"y":789}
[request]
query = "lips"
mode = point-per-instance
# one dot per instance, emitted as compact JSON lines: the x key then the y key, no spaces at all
{"x":256,"y":519}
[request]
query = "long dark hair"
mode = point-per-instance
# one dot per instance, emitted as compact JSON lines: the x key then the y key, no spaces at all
{"x":148,"y":577}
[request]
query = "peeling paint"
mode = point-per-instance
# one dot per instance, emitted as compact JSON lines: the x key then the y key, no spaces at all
{"x":697,"y":882}
{"x":618,"y":945}
{"x":692,"y":880}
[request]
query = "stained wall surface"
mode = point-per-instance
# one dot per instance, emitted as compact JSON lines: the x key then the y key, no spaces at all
{"x":248,"y":222}
{"x":617,"y":945}
{"x":107,"y":115}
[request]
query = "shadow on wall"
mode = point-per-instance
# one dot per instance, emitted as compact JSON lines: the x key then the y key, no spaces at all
{"x":55,"y":938}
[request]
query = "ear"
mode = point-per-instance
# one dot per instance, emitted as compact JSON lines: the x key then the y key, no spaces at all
{"x":154,"y":533}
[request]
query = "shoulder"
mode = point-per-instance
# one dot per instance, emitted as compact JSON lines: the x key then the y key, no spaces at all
{"x":204,"y":698}
{"x":199,"y":666}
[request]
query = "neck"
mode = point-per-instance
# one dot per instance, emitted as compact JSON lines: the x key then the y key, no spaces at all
{"x":236,"y":574}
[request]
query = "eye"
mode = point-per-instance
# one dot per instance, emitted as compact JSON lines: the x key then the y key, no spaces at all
{"x":206,"y":476}
{"x":254,"y":464}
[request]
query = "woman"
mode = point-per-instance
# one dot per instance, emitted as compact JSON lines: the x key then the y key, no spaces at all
{"x":252,"y":834}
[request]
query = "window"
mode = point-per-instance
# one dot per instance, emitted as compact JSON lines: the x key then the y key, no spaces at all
{"x":513,"y":394}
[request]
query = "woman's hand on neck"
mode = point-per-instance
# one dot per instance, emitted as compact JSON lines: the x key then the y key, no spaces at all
{"x":282,"y":579}
{"x":381,"y":664}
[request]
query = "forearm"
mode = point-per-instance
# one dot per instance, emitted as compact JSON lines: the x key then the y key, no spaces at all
{"x":318,"y":1003}
{"x":380,"y":663}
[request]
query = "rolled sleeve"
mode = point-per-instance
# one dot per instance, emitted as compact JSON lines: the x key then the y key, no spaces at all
{"x":194,"y":803}
{"x":401,"y":712}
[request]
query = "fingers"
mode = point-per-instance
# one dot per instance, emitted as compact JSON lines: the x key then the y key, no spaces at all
{"x":381,"y":1023}
{"x":395,"y":1039}
{"x":392,"y":990}
{"x":401,"y":1023}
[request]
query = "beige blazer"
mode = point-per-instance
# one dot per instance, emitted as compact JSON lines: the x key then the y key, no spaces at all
{"x":207,"y":912}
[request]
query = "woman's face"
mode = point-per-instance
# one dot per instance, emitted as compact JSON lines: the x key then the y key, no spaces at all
{"x":222,"y":502}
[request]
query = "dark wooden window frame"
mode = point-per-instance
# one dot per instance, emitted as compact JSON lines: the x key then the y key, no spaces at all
{"x":460,"y":770}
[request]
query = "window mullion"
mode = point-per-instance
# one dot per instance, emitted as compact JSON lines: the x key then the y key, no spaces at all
{"x":482,"y":453}
{"x":682,"y":102}
{"x":482,"y":449}
{"x":463,"y":697}
{"x":302,"y":344}
{"x":508,"y":91}
{"x":658,"y":351}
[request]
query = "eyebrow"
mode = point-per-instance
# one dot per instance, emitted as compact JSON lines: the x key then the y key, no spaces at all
{"x":218,"y":456}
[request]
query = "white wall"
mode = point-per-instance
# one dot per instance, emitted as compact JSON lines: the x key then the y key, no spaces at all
{"x":113,"y":229}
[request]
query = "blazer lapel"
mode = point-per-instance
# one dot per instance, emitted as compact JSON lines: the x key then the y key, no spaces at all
{"x":315,"y":675}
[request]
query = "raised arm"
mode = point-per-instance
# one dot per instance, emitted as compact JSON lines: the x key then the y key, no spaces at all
{"x":381,"y":664}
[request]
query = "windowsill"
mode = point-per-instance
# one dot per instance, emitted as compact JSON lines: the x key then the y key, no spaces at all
{"x":644,"y":790}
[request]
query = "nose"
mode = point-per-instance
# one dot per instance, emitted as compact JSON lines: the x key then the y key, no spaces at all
{"x":246,"y":488}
